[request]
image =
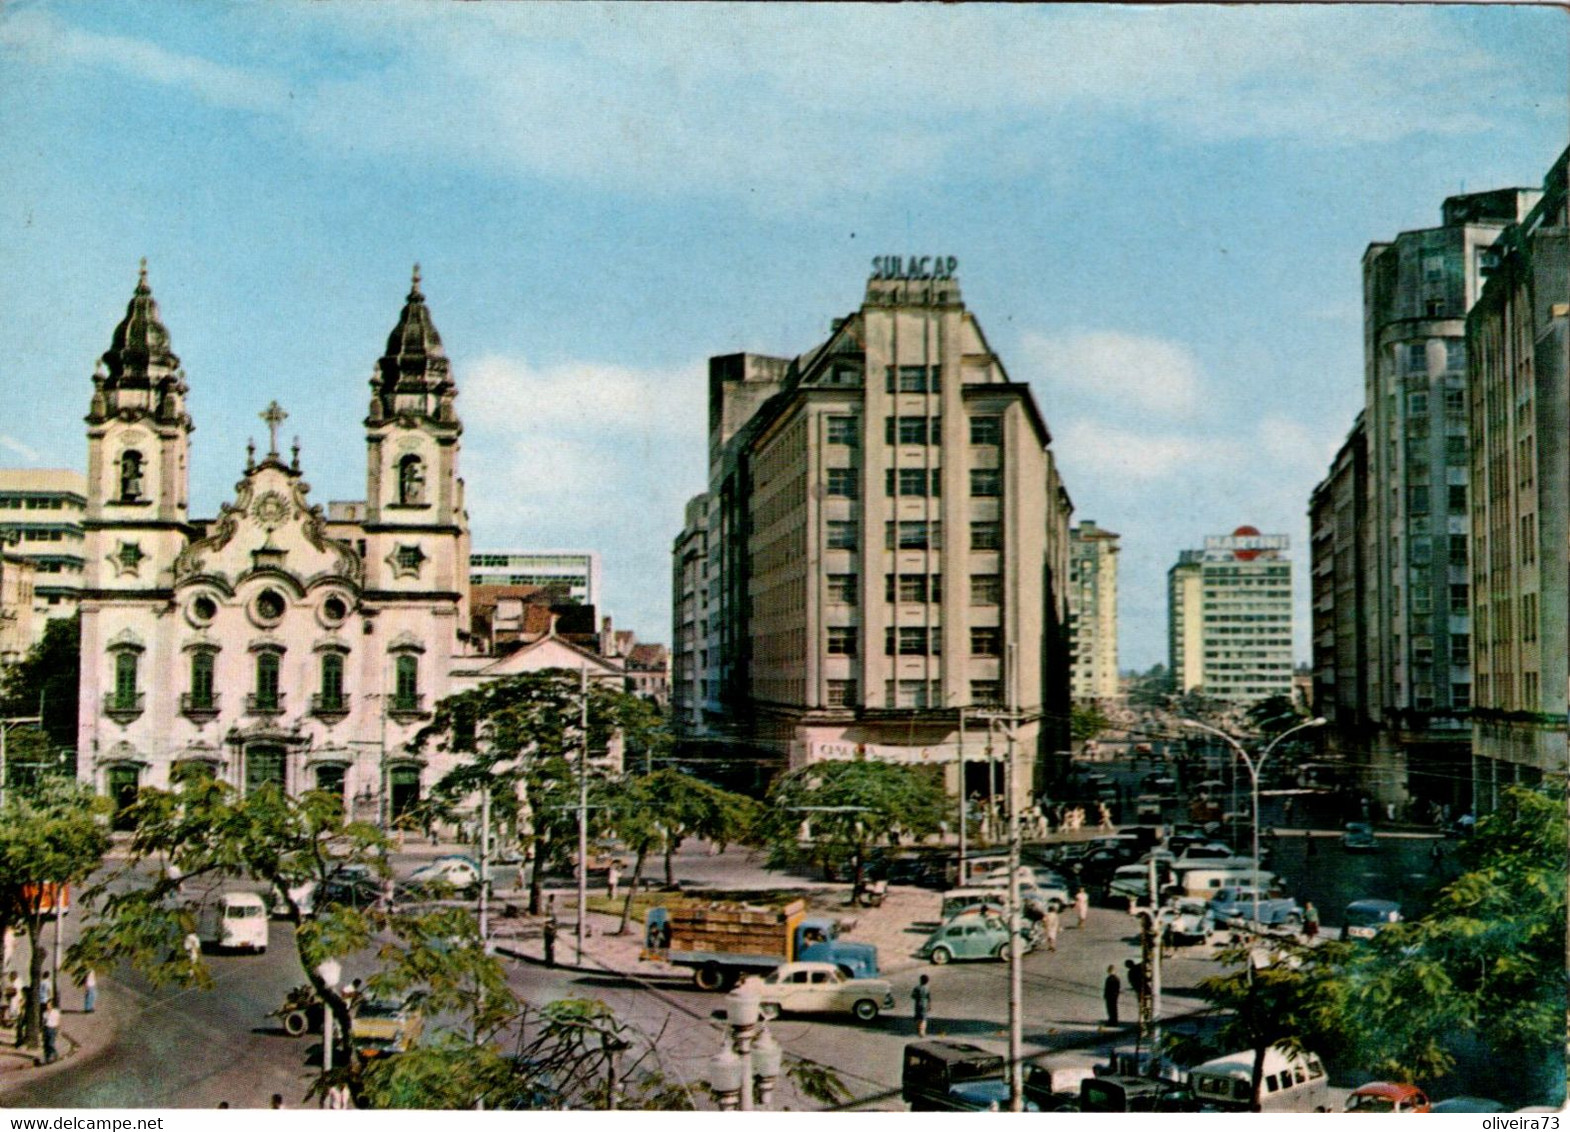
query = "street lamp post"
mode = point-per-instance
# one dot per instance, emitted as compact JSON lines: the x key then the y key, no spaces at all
{"x":749,"y":1057}
{"x":1254,"y":769}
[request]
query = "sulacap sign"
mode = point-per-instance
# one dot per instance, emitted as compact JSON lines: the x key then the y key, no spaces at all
{"x":1245,"y":543}
{"x":913,"y":267}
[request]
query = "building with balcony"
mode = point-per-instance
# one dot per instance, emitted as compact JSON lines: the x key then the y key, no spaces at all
{"x":41,"y":512}
{"x":1229,"y":612}
{"x":884,"y":548}
{"x":1093,"y":611}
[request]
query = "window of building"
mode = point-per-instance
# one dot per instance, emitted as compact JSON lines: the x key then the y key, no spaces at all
{"x":1455,"y":402}
{"x":913,"y":640}
{"x":986,"y":589}
{"x":1461,"y":696}
{"x":986,"y":692}
{"x":844,"y":430}
{"x":126,"y":694}
{"x":986,"y":535}
{"x":1460,"y":597}
{"x":410,"y":557}
{"x":266,"y":696}
{"x":986,"y":430}
{"x":986,"y":482}
{"x":840,"y":534}
{"x":1417,"y":500}
{"x":912,"y":481}
{"x":911,"y":693}
{"x":202,"y":664}
{"x":1455,"y":354}
{"x":986,"y":641}
{"x":913,"y":430}
{"x":842,"y":483}
{"x":332,"y":681}
{"x":1457,"y":452}
{"x":1457,"y":497}
{"x":1460,"y":649}
{"x":1458,"y":550}
{"x":1417,"y":357}
{"x":411,"y":481}
{"x":914,"y":379}
{"x":406,"y":673}
{"x":913,"y":534}
{"x":842,"y":588}
{"x":1417,"y":403}
{"x":130,"y":476}
{"x":840,"y":693}
{"x":842,"y":640}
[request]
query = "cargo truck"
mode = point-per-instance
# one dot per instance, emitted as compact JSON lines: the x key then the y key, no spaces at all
{"x":722,"y":941}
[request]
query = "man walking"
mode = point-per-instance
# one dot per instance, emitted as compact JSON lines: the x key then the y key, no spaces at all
{"x":1082,"y":905}
{"x":1050,"y":924}
{"x":550,"y":941}
{"x":89,"y":991}
{"x":1110,"y":990}
{"x":612,"y":880}
{"x":921,"y":1000}
{"x":52,"y":1033}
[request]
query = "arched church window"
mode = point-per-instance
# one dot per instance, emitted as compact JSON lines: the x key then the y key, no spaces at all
{"x":406,"y":694}
{"x":202,"y":680}
{"x":130,"y":476}
{"x":332,"y":681}
{"x":267,"y":697}
{"x":411,"y":481}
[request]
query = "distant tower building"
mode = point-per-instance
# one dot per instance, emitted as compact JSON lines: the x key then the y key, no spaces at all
{"x":1230,"y":615}
{"x":1518,"y":345}
{"x":690,"y":617}
{"x":1093,"y":611}
{"x":1417,"y":291}
{"x":887,"y":544}
{"x":41,"y":511}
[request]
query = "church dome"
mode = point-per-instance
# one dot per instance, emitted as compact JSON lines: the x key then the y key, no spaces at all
{"x":140,"y":344}
{"x":413,"y":343}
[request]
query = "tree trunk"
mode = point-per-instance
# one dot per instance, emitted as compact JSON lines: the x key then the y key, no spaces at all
{"x":671,"y":845}
{"x":31,"y":1011}
{"x":542,"y":853}
{"x":626,"y":904}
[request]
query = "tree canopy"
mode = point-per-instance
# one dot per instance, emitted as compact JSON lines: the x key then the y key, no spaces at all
{"x":851,"y":807}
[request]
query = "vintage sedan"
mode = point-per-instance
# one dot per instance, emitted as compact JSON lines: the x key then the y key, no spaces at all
{"x":822,"y":988}
{"x":970,"y":937}
{"x":385,"y":1026}
{"x":1387,"y":1096}
{"x":1359,"y":838}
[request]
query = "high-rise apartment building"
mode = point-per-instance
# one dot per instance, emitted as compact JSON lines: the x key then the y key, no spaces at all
{"x":1229,"y":612}
{"x":1518,"y":345}
{"x":886,"y":543}
{"x":1417,"y":290}
{"x":690,"y":618}
{"x":1338,"y":521}
{"x":1093,"y":611}
{"x":41,"y":512}
{"x":575,"y":573}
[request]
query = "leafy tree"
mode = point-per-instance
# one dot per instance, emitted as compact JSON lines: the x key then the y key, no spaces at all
{"x":657,"y":812}
{"x":524,"y":735}
{"x":45,"y":682}
{"x":1087,"y":721}
{"x":1274,"y":714}
{"x":851,"y":807}
{"x":50,"y":833}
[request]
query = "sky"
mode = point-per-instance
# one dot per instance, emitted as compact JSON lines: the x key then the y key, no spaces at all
{"x":1158,"y":213}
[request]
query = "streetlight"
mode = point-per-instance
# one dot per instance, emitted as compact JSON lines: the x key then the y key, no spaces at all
{"x":1253,"y":774}
{"x":329,"y":970}
{"x":750,"y":1052}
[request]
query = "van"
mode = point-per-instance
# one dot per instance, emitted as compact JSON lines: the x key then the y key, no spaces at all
{"x":235,"y":921}
{"x":1206,"y":882}
{"x":1291,"y":1082}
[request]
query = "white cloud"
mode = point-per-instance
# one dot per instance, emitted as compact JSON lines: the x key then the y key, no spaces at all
{"x":11,"y":444}
{"x":1108,"y":451}
{"x":506,"y":393}
{"x":1153,"y":374}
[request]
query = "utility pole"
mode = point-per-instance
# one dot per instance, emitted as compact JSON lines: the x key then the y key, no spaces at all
{"x":964,"y":801}
{"x":485,"y":865}
{"x":1016,"y":950}
{"x":583,"y":806}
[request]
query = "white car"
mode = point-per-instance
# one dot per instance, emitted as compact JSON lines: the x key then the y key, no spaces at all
{"x":455,"y":872}
{"x":1055,"y":896}
{"x":822,"y":988}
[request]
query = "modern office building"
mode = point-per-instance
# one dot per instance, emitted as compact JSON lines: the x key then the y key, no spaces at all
{"x":1093,"y":611}
{"x":690,"y":618}
{"x":1338,"y":521}
{"x":886,"y":546}
{"x":1230,"y":618}
{"x":1518,"y":347}
{"x":575,"y":574}
{"x":41,"y":512}
{"x":274,"y":643}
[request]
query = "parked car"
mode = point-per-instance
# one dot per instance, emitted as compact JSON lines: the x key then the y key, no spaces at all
{"x":351,"y":886}
{"x":1043,"y":885}
{"x":1191,"y":920}
{"x":454,"y":872}
{"x":1359,"y":837}
{"x":303,"y":895}
{"x":1291,"y":1081}
{"x":385,"y":1026}
{"x":1134,"y":1094}
{"x":934,"y":1066}
{"x":1387,"y":1096}
{"x":1365,"y":919}
{"x":1132,"y":882}
{"x":1234,"y":905}
{"x":234,"y":921}
{"x":822,"y":988}
{"x":1029,"y":893}
{"x":969,"y":937}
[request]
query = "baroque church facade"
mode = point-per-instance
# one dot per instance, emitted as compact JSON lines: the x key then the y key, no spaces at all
{"x":278,"y":642}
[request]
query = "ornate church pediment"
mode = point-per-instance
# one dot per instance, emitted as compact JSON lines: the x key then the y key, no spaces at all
{"x":271,"y":525}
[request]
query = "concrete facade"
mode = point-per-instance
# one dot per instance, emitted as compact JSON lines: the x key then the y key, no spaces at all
{"x":575,"y":572}
{"x":1093,"y":611}
{"x":277,"y":642}
{"x":17,"y":575}
{"x":1230,"y":618}
{"x":1518,"y":348}
{"x":885,"y":542}
{"x":41,"y":512}
{"x":1338,"y":522}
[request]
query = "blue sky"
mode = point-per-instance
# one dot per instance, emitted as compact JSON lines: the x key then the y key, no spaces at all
{"x":1158,"y":215}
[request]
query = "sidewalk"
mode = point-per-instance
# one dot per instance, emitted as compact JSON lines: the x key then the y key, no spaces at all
{"x":81,"y":1036}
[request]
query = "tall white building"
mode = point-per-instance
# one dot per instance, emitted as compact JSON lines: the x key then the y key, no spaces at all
{"x":1093,"y":611}
{"x":1230,"y":617}
{"x":274,"y":643}
{"x":41,"y":512}
{"x":575,"y":572}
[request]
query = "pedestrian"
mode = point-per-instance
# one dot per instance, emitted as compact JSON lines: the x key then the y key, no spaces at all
{"x":921,"y":1001}
{"x":1136,"y":976}
{"x":1105,"y":816}
{"x":1310,"y":921}
{"x":612,"y":879}
{"x":277,"y":1101}
{"x":89,"y":991}
{"x":550,"y":941}
{"x":46,"y":988}
{"x":52,"y":1033}
{"x":193,"y":948}
{"x":11,"y":1000}
{"x":1082,"y":906}
{"x":1050,"y":925}
{"x":337,"y":1097}
{"x":1111,"y":988}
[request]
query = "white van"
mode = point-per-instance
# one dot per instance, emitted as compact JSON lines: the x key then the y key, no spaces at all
{"x":234,"y":921}
{"x":1204,"y":882}
{"x":1291,"y":1082}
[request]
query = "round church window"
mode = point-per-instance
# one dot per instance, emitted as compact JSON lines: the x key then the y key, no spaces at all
{"x":201,"y":610}
{"x":334,"y":609}
{"x":270,"y":606}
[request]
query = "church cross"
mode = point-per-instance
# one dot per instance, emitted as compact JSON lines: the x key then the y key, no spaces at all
{"x":274,"y":416}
